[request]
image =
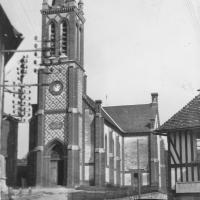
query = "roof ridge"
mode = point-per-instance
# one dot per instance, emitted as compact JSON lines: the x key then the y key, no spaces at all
{"x":113,"y":121}
{"x":126,"y":105}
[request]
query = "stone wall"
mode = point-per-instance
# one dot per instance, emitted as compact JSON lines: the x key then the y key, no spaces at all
{"x":9,"y":149}
{"x":131,"y":164}
{"x":89,"y":147}
{"x":113,"y":144}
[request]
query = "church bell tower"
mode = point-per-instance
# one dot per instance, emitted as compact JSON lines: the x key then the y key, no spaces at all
{"x":59,"y":143}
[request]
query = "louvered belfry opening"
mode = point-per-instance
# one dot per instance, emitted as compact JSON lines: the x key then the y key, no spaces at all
{"x":52,"y":37}
{"x":63,"y":34}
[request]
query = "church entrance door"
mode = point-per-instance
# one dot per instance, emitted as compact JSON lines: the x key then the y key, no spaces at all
{"x":56,"y":167}
{"x":54,"y":172}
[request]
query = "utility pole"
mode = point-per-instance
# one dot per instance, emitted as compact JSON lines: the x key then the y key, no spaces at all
{"x":18,"y":90}
{"x":21,"y":105}
{"x":2,"y":159}
{"x":138,"y":167}
{"x":21,"y":91}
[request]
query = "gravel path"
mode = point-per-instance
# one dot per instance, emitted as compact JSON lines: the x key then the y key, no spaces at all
{"x":43,"y":194}
{"x":154,"y":195}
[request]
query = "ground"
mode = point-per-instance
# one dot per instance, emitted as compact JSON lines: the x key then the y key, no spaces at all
{"x":62,"y":193}
{"x":43,"y":194}
{"x":154,"y":195}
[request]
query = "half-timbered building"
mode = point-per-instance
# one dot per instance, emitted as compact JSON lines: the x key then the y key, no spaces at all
{"x":183,"y":136}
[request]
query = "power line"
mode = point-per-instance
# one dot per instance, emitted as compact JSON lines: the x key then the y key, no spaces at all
{"x":196,"y":21}
{"x":28,"y":17}
{"x":23,"y":51}
{"x":24,"y":19}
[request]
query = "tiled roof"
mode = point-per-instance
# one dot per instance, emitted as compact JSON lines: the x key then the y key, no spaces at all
{"x":187,"y":117}
{"x":111,"y":121}
{"x":133,"y":118}
{"x":89,"y":101}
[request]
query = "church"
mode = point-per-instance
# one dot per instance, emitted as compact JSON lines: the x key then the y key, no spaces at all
{"x":75,"y":140}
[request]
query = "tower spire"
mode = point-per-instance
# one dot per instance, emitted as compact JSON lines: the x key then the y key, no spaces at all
{"x":80,"y":5}
{"x":45,"y":4}
{"x":68,"y":1}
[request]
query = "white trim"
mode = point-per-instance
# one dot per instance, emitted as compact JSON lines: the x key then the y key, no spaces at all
{"x":114,"y":122}
{"x":98,"y":115}
{"x":40,"y":112}
{"x":73,"y":110}
{"x":187,"y":187}
{"x":162,"y":165}
{"x":99,"y":150}
{"x":73,"y":147}
{"x":39,"y":148}
{"x":111,"y":155}
{"x":154,"y":159}
{"x":118,"y":158}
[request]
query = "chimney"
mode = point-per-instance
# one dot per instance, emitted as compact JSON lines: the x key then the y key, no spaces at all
{"x":98,"y":105}
{"x":80,"y":5}
{"x":154,"y":97}
{"x":45,"y":5}
{"x":85,"y":84}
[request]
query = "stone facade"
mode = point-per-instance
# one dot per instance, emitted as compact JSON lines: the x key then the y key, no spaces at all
{"x":9,"y":148}
{"x":58,"y":146}
{"x":73,"y":139}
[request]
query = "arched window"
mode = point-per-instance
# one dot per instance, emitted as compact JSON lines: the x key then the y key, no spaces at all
{"x":106,"y":150}
{"x":52,"y":38}
{"x":78,"y":41}
{"x":63,"y":38}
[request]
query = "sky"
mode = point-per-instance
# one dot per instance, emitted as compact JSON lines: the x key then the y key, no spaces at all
{"x":132,"y":48}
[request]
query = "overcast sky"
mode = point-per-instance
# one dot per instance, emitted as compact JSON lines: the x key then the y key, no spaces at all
{"x":132,"y":48}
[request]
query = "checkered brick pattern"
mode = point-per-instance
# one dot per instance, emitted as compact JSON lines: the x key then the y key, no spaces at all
{"x":57,"y":133}
{"x":58,"y":102}
{"x":80,"y":90}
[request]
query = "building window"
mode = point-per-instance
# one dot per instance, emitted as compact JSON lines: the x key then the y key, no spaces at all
{"x":198,"y":148}
{"x":79,"y":45}
{"x":106,"y":149}
{"x":63,"y":36}
{"x":77,"y":41}
{"x":52,"y":38}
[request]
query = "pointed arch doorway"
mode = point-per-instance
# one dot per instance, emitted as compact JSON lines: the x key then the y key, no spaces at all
{"x":56,"y":165}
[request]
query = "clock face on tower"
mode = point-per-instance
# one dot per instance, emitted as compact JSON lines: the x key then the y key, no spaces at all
{"x":56,"y":88}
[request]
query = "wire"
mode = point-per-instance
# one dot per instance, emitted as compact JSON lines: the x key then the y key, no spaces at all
{"x":196,"y":21}
{"x":24,"y":20}
{"x":28,"y":17}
